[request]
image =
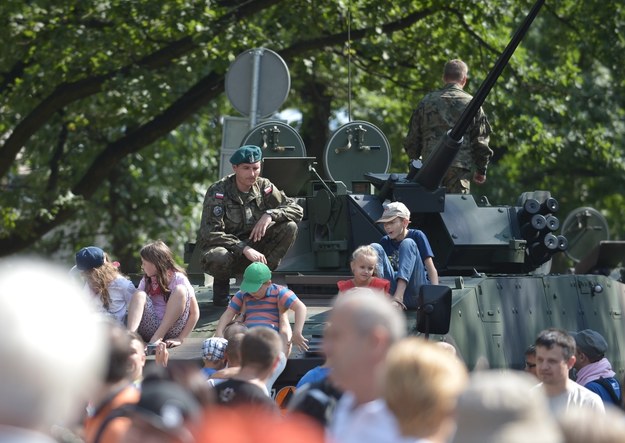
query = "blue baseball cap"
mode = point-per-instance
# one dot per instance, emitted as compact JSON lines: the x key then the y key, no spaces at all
{"x":89,"y":258}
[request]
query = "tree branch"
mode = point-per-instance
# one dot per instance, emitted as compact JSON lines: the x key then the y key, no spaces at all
{"x":67,"y":93}
{"x":483,"y":42}
{"x":358,"y":34}
{"x":470,"y":30}
{"x":62,"y":96}
{"x":9,"y":77}
{"x":360,"y":62}
{"x":199,"y":95}
{"x":562,"y":20}
{"x":53,"y":178}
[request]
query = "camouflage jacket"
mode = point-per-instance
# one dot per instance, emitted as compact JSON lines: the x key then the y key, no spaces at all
{"x":228,"y":215}
{"x":437,"y":113}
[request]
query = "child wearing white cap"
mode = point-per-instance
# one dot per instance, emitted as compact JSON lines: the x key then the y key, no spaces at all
{"x":404,"y":256}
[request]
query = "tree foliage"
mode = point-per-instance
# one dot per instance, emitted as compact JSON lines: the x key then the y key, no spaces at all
{"x":110,"y":110}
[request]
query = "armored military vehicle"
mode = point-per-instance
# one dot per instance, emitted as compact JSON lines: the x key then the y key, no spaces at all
{"x":495,"y":292}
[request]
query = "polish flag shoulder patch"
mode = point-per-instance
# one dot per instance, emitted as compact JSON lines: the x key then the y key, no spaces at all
{"x":219,"y":196}
{"x":268,"y":190}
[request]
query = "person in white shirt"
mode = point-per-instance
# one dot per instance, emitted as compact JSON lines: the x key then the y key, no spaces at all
{"x":555,"y":356}
{"x":52,"y":352}
{"x":110,"y":291}
{"x":362,"y":327}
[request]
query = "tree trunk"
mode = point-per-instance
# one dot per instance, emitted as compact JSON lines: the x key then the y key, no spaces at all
{"x":119,"y":209}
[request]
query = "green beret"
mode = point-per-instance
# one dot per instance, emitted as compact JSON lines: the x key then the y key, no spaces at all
{"x":246,"y":154}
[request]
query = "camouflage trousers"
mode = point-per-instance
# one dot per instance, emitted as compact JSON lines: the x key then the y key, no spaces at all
{"x":457,"y":181}
{"x":223,"y":264}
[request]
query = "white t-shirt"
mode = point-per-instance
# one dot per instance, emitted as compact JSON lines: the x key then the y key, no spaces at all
{"x":120,"y":293}
{"x":575,"y":396}
{"x":18,"y":435}
{"x":371,"y":422}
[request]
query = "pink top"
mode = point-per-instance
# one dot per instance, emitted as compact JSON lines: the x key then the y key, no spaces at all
{"x":158,"y":298}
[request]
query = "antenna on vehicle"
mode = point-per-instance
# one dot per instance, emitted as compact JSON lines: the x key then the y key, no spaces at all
{"x":349,"y":61}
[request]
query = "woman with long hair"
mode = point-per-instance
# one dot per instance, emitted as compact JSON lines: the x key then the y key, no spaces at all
{"x":110,"y":290}
{"x":165,"y":307}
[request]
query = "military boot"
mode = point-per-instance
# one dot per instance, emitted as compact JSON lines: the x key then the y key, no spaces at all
{"x":221,"y":292}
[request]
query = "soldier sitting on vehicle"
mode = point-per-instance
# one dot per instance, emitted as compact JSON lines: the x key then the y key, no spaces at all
{"x":245,"y":219}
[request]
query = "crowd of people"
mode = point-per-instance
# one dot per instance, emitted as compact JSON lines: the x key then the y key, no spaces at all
{"x":376,"y":385}
{"x":74,"y":369}
{"x":71,"y":374}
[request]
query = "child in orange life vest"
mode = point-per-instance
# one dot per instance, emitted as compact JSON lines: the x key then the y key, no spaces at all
{"x":363,"y":263}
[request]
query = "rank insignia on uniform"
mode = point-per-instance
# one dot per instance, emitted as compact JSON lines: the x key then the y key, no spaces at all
{"x":268,"y":190}
{"x":218,"y":211}
{"x":219,"y":195}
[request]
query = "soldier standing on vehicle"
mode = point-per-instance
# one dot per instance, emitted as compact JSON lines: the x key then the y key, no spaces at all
{"x":436,"y":114}
{"x":245,"y":219}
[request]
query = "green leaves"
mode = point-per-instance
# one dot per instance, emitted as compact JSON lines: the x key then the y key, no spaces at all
{"x":118,"y":103}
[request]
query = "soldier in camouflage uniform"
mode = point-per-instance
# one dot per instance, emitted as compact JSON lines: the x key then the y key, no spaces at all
{"x":245,"y":219}
{"x":437,"y":113}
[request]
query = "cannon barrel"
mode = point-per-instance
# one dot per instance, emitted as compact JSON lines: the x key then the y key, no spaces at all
{"x":553,"y":224}
{"x":549,"y":205}
{"x":433,"y":171}
{"x":530,"y":208}
{"x":531,"y":229}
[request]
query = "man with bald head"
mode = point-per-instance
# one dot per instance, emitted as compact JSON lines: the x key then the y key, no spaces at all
{"x":361,"y":329}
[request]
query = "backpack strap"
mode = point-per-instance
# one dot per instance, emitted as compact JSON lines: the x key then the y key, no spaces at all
{"x":605,"y":384}
{"x":122,"y":411}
